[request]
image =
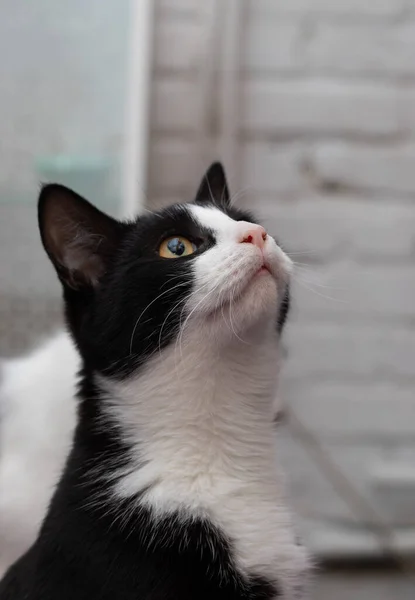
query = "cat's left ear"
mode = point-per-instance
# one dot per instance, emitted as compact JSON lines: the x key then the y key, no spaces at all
{"x":214,"y":187}
{"x":78,"y":238}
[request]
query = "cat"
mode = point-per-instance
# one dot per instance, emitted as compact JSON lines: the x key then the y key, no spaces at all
{"x":37,"y":422}
{"x":171,"y":488}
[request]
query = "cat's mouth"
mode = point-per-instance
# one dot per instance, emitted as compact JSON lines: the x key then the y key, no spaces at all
{"x":234,"y":299}
{"x":264,"y":269}
{"x":244,"y":287}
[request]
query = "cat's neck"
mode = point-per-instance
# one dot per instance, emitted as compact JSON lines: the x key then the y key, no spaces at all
{"x":202,"y":445}
{"x":197,"y":377}
{"x":195,"y":408}
{"x":198,"y":443}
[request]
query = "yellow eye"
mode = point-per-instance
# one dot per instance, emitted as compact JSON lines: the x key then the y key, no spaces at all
{"x":175,"y":247}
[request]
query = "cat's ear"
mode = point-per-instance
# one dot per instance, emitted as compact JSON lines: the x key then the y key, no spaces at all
{"x":214,"y":187}
{"x":78,"y":238}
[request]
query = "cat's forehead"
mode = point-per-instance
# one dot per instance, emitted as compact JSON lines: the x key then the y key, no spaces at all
{"x":215,"y":220}
{"x":209,"y":218}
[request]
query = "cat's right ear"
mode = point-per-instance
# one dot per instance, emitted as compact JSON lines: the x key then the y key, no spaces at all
{"x":78,"y":238}
{"x":214,"y":188}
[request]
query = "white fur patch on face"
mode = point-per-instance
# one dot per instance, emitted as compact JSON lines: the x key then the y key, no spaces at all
{"x":228,"y":277}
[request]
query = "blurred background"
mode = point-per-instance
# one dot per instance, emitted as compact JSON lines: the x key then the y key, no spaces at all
{"x":311,"y":106}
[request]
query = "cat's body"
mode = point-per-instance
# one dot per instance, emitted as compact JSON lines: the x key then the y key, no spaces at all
{"x":172,"y":488}
{"x":37,"y":423}
{"x":243,"y":500}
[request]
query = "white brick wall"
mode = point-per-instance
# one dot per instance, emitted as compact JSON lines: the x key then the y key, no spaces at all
{"x":357,"y":226}
{"x":353,"y":8}
{"x":321,"y":107}
{"x":382,"y":169}
{"x":327,"y":149}
{"x":369,"y":48}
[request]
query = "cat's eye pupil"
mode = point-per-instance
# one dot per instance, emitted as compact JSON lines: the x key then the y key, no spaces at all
{"x":176,"y":246}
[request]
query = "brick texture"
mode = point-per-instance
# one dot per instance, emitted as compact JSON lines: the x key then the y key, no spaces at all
{"x":356,"y":226}
{"x":354,"y":8}
{"x":272,"y":47}
{"x":321,"y":107}
{"x":383,"y":169}
{"x":364,"y":48}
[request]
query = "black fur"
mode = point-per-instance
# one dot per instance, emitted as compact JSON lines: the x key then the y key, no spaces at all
{"x":89,"y":547}
{"x":214,"y":187}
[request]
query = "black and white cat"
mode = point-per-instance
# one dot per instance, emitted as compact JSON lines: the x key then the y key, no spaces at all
{"x":172,"y":488}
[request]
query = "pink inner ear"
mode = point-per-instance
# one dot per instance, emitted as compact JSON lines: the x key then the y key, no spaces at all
{"x":75,"y":248}
{"x":61,"y":234}
{"x":80,"y":254}
{"x":81,"y":260}
{"x":76,"y":235}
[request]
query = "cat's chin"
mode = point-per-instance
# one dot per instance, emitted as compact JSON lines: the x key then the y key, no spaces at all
{"x":255,"y":304}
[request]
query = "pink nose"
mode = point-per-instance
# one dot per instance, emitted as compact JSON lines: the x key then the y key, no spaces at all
{"x":252,"y":234}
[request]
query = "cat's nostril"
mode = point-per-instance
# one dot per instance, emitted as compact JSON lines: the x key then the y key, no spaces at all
{"x":253,"y":234}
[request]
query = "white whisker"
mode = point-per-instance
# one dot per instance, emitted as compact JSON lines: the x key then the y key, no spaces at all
{"x":191,"y":313}
{"x":305,"y":284}
{"x":231,"y":323}
{"x":148,"y":306}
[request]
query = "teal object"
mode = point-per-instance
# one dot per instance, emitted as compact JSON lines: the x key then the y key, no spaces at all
{"x":88,"y":176}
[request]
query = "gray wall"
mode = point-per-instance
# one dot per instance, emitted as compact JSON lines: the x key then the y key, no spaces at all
{"x":327,"y":149}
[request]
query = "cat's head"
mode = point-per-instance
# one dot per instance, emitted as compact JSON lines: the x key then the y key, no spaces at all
{"x":131,"y":288}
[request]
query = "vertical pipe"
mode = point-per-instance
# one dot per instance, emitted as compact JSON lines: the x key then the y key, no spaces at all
{"x":134,"y":168}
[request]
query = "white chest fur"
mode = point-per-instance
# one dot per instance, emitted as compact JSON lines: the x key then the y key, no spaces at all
{"x":201,"y":423}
